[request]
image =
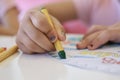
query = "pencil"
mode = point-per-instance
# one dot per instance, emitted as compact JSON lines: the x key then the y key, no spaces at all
{"x":7,"y":53}
{"x":57,"y":44}
{"x":2,"y":49}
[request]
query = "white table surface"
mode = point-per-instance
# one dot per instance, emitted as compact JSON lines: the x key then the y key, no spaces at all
{"x":42,"y":67}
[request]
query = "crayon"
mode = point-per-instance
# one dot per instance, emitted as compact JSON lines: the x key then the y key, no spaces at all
{"x":2,"y":49}
{"x":57,"y":44}
{"x":7,"y":53}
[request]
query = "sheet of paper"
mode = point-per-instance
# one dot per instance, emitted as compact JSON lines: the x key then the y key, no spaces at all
{"x":105,"y":59}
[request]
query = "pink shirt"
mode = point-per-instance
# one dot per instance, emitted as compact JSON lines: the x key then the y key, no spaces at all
{"x":98,"y":12}
{"x":24,"y":5}
{"x":103,"y":12}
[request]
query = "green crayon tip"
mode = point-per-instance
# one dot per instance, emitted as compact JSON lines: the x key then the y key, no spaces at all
{"x":62,"y":54}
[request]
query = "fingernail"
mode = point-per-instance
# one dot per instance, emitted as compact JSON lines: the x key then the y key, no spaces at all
{"x":78,"y":45}
{"x":52,"y":38}
{"x":82,"y":45}
{"x":91,"y":45}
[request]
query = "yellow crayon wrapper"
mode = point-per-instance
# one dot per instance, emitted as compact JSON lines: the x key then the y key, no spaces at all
{"x":7,"y":53}
{"x":2,"y":49}
{"x":43,"y":10}
{"x":57,"y":44}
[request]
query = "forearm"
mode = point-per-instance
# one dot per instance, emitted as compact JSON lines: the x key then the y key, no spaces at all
{"x":63,"y":11}
{"x":10,"y":20}
{"x":5,"y":31}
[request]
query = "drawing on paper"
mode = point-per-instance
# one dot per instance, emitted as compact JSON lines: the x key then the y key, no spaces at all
{"x":106,"y":58}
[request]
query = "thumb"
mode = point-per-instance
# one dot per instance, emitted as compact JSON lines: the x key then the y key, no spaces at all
{"x":59,"y":29}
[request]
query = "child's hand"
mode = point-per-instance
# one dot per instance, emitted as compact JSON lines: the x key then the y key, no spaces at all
{"x":36,"y":35}
{"x":99,"y":35}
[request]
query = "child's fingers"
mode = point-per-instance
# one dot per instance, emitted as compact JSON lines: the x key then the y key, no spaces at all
{"x":93,"y":29}
{"x":30,"y":45}
{"x":35,"y":35}
{"x":23,"y":48}
{"x":27,"y":45}
{"x":41,"y":23}
{"x":84,"y":43}
{"x":87,"y":41}
{"x":21,"y":45}
{"x":59,"y":29}
{"x":101,"y":39}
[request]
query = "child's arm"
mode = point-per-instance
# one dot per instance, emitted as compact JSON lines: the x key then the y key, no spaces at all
{"x":99,"y":35}
{"x":63,"y":11}
{"x":9,"y":24}
{"x":8,"y":17}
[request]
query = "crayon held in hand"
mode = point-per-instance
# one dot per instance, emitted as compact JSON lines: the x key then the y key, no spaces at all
{"x":57,"y":44}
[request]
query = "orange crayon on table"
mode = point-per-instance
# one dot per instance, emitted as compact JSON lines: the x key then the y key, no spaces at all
{"x":7,"y":53}
{"x":57,"y":44}
{"x":2,"y":49}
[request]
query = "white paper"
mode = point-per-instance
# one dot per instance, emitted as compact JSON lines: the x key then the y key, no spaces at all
{"x":105,"y":59}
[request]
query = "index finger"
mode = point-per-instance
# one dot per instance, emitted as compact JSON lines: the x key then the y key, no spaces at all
{"x":94,"y":29}
{"x":40,"y":21}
